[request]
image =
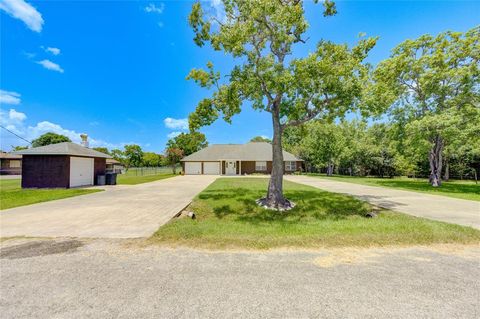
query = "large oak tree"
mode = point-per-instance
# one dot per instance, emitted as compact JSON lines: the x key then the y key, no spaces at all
{"x":432,"y":86}
{"x":260,"y":35}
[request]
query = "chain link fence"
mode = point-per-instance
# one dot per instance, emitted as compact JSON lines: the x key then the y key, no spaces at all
{"x":144,"y":171}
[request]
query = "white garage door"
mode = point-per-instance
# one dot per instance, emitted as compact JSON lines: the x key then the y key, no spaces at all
{"x":211,"y":168}
{"x":81,"y":171}
{"x":193,"y":168}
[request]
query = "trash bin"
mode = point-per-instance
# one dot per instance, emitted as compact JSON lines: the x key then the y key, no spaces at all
{"x":100,"y":179}
{"x":111,"y":179}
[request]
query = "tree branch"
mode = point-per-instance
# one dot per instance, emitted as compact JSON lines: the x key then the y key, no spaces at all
{"x":311,"y":114}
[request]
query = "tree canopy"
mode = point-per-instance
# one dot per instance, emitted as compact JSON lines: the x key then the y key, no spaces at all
{"x":173,"y":156}
{"x":431,"y":86}
{"x":188,"y":142}
{"x":49,"y":138}
{"x":102,"y":150}
{"x":151,"y":159}
{"x":133,"y":155}
{"x":260,"y":139}
{"x":19,"y":148}
{"x":260,"y":36}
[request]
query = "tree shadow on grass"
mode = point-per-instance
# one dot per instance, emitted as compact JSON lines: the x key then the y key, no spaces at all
{"x":221,"y":194}
{"x":311,"y":205}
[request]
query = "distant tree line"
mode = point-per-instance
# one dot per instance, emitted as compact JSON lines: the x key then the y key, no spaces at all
{"x":178,"y":147}
{"x":381,"y":149}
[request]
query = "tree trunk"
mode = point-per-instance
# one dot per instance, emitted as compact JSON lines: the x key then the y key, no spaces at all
{"x":275,"y":197}
{"x":446,"y":176}
{"x":435,"y":159}
{"x":174,"y":168}
{"x":330,"y":169}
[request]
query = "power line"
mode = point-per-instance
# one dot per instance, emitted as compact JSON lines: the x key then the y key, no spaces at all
{"x":6,"y":129}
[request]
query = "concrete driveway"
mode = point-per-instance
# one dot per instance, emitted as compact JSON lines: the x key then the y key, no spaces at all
{"x":107,"y":279}
{"x":442,"y":208}
{"x":122,"y":211}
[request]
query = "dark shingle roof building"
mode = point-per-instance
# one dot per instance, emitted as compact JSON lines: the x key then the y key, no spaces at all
{"x":61,"y":165}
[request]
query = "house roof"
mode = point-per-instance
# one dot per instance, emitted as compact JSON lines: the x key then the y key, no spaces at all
{"x":253,"y":151}
{"x":113,"y":161}
{"x":65,"y":148}
{"x":11,"y":156}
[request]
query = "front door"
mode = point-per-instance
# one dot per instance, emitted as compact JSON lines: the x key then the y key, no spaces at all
{"x":230,"y":167}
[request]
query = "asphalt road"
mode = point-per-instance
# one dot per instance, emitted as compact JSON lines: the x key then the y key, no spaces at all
{"x":122,"y":279}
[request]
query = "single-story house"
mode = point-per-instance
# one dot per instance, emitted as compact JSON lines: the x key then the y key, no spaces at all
{"x":114,"y":166}
{"x":10,"y":164}
{"x":237,"y":159}
{"x":61,"y":165}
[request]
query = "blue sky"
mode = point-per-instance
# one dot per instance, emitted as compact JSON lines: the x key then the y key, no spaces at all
{"x":116,"y":69}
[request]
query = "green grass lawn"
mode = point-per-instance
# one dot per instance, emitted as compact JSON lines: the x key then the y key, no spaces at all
{"x":133,"y":180}
{"x":458,"y":189}
{"x":12,"y":195}
{"x":228,"y":217}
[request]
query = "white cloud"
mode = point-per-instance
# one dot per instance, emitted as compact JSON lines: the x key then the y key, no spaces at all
{"x":29,"y":55}
{"x":12,"y":118}
{"x":43,"y":127}
{"x":15,"y":122}
{"x":20,"y":9}
{"x":46,"y":126}
{"x":9,"y":97}
{"x":12,"y":121}
{"x":174,"y":134}
{"x":151,"y":8}
{"x":47,"y":64}
{"x":16,"y":116}
{"x":54,"y":51}
{"x":176,"y":123}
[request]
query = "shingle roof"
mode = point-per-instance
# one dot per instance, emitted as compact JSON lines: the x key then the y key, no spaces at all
{"x":113,"y":161}
{"x":253,"y":151}
{"x":65,"y":148}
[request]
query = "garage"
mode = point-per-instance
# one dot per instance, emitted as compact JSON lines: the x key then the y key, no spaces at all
{"x":61,"y":165}
{"x":81,"y":171}
{"x":193,"y":168}
{"x":211,"y":168}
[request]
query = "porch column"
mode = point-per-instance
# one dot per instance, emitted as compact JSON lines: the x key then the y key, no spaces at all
{"x":240,"y":168}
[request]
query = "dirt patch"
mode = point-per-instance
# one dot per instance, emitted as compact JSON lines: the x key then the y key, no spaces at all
{"x":347,"y":256}
{"x":39,"y":248}
{"x":352,"y":256}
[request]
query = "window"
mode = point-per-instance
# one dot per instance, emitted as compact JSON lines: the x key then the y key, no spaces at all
{"x":14,"y":164}
{"x":260,"y":166}
{"x":290,"y":166}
